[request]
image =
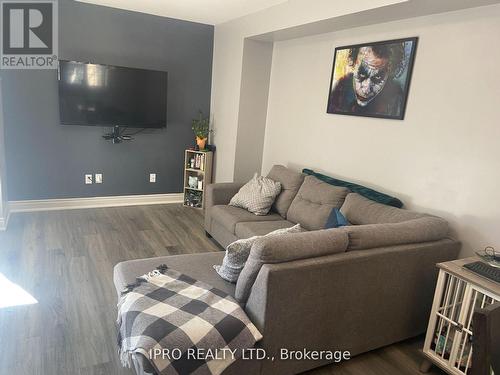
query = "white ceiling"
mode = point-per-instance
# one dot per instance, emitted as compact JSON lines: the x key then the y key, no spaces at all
{"x":205,"y":11}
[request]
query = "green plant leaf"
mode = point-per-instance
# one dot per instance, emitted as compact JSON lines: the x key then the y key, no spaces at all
{"x":201,"y":126}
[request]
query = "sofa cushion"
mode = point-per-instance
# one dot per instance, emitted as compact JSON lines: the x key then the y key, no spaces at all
{"x":375,"y":195}
{"x":260,"y":228}
{"x":359,"y":210}
{"x":290,"y":185}
{"x":314,"y":202}
{"x":286,"y":248}
{"x":237,"y":254}
{"x":220,"y":234}
{"x":229,"y":216}
{"x":424,"y":229}
{"x":197,"y":266}
{"x":257,"y":195}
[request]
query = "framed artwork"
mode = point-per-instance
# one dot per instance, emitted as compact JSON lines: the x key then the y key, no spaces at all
{"x":372,"y":79}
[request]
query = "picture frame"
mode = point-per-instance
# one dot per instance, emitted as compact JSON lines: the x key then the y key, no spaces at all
{"x":372,"y":79}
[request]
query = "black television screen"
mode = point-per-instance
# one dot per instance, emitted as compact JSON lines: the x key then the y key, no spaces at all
{"x":104,"y":95}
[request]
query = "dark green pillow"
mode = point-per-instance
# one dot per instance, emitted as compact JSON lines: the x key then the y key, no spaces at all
{"x":355,"y":188}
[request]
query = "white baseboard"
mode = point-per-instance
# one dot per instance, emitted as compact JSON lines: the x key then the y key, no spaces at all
{"x":93,"y":202}
{"x":4,"y":221}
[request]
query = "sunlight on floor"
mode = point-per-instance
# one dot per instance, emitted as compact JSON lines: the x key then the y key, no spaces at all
{"x":13,"y":295}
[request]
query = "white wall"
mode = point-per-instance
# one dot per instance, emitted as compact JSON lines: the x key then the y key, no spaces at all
{"x":4,"y":206}
{"x":228,"y":61}
{"x":255,"y":78}
{"x":443,"y":158}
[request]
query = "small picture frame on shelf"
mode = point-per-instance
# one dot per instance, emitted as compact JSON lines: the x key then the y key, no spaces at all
{"x":193,"y":182}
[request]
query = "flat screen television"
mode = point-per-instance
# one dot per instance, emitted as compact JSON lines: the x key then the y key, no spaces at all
{"x":105,"y":95}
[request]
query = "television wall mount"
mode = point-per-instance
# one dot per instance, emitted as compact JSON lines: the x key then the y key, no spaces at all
{"x":117,"y":136}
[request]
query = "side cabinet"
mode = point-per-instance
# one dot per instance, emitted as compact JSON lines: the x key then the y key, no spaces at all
{"x":448,"y":343}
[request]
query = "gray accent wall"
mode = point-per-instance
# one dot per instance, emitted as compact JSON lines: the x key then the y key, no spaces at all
{"x":48,"y":160}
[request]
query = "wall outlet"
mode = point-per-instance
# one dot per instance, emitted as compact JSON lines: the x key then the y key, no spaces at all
{"x":152,"y":177}
{"x":98,"y":178}
{"x":88,"y":179}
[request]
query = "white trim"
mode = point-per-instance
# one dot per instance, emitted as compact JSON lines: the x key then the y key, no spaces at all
{"x":93,"y":202}
{"x":4,"y":221}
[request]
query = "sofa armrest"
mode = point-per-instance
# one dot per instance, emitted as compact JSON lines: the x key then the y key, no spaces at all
{"x":218,"y":194}
{"x":286,"y":248}
{"x":355,"y":301}
{"x":221,"y":193}
{"x":424,"y":229}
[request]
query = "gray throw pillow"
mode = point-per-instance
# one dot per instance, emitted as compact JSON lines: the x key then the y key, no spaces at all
{"x":257,"y":195}
{"x":238,"y":251}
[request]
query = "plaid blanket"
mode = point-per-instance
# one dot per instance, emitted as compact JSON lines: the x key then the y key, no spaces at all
{"x":177,"y":324}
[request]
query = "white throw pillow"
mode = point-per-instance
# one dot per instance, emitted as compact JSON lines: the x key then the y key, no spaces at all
{"x":257,"y":195}
{"x":237,"y":254}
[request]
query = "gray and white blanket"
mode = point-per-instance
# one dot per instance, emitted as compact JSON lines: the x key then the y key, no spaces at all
{"x":179,"y":325}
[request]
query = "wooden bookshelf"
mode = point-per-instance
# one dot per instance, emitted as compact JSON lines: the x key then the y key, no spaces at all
{"x":197,"y":175}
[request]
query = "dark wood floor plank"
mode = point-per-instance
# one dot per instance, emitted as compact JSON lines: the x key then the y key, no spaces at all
{"x":65,"y":260}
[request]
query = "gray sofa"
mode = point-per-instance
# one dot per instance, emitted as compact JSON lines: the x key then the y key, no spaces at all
{"x":355,"y":288}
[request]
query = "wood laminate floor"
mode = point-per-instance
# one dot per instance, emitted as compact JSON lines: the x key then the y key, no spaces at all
{"x":65,"y":260}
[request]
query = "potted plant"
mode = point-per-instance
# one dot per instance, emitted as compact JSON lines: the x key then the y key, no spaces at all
{"x":201,"y":129}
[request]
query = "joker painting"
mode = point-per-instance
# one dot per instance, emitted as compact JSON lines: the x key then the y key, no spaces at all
{"x":372,"y":79}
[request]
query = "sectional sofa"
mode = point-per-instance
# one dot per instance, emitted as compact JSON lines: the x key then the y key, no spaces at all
{"x":355,"y":288}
